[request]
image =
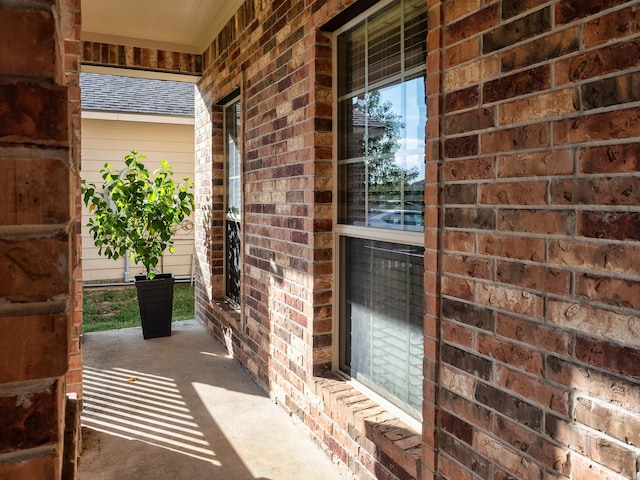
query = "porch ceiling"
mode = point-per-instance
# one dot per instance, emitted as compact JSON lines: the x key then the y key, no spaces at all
{"x":183,"y":26}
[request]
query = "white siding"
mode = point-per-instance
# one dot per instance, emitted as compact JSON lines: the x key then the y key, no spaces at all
{"x":109,"y":141}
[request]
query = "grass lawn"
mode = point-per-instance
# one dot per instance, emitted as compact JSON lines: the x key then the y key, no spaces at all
{"x":111,"y":308}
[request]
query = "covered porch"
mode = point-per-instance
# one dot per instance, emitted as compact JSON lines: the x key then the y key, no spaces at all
{"x":181,"y":407}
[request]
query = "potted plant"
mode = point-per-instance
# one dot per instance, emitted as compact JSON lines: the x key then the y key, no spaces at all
{"x":136,"y":214}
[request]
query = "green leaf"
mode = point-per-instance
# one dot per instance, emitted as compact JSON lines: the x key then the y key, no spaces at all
{"x":139,"y":212}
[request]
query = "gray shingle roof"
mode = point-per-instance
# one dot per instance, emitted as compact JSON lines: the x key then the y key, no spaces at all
{"x":110,"y":93}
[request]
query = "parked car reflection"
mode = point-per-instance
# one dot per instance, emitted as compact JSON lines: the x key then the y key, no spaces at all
{"x":410,"y":220}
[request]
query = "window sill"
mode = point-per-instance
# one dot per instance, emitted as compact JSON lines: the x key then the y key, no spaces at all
{"x":222,"y":319}
{"x":230,"y":310}
{"x":374,"y":432}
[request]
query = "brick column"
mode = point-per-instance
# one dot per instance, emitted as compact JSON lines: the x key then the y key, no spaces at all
{"x":433,"y":237}
{"x":37,"y":233}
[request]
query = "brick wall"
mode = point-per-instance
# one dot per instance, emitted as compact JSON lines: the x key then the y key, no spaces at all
{"x":72,"y":46}
{"x":140,"y":58}
{"x":280,"y":61}
{"x":531,"y":244}
{"x":539,"y":141}
{"x":38,"y":231}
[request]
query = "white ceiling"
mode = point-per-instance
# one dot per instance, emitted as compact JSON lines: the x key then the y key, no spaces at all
{"x":178,"y":25}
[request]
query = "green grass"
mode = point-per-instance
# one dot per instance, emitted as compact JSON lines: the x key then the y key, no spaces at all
{"x":111,"y":308}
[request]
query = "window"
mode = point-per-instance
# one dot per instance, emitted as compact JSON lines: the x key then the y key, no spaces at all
{"x":381,"y":108}
{"x":233,"y":201}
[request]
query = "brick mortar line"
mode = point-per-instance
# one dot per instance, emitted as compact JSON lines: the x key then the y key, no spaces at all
{"x":39,"y":5}
{"x":34,"y":308}
{"x":19,"y":456}
{"x":546,"y":296}
{"x":21,"y":232}
{"x":25,"y":388}
{"x":42,"y":153}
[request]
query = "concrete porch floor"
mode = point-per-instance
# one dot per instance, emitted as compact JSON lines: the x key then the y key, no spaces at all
{"x":179,"y":407}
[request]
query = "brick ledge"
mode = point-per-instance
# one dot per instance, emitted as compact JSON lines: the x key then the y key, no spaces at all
{"x":385,"y":438}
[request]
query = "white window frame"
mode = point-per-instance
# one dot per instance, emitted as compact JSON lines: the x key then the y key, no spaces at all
{"x":342,"y":230}
{"x":226,"y":216}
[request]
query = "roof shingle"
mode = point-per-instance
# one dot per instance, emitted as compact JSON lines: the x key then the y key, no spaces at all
{"x":113,"y":93}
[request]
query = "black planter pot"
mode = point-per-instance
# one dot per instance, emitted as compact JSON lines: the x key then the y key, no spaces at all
{"x":155,"y":300}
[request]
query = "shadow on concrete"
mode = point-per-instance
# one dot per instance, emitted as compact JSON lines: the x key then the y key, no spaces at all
{"x":179,"y":408}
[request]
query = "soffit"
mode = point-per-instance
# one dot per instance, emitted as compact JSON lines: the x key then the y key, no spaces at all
{"x":178,"y":25}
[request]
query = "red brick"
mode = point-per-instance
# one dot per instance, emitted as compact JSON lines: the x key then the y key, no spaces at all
{"x":609,"y":225}
{"x":517,"y":30}
{"x":508,"y":405}
{"x":596,"y":191}
{"x":533,"y":388}
{"x":466,"y":146}
{"x":463,"y":455}
{"x":566,"y":434}
{"x":533,"y":445}
{"x":603,"y":126}
{"x":520,"y":193}
{"x":31,"y":189}
{"x":512,"y":247}
{"x":617,"y":24}
{"x":467,"y":362}
{"x":476,"y":267}
{"x":510,"y":299}
{"x":450,"y":470}
{"x":521,"y":83}
{"x":539,"y":164}
{"x":609,"y":59}
{"x":541,"y":49}
{"x":34,"y":347}
{"x":613,"y":291}
{"x":471,"y":412}
{"x":591,"y":382}
{"x":538,"y":107}
{"x":44,"y":114}
{"x":461,"y":99}
{"x":457,"y":334}
{"x":469,"y":121}
{"x":460,"y":193}
{"x":615,"y":457}
{"x":454,"y":10}
{"x":516,"y":138}
{"x":511,"y":8}
{"x":585,"y":469}
{"x":553,"y":222}
{"x":617,"y":327}
{"x":505,"y":457}
{"x":602,"y":417}
{"x":458,"y":287}
{"x":569,"y":10}
{"x":475,"y":169}
{"x":472,"y":24}
{"x":34,"y":468}
{"x":617,"y":359}
{"x":29,"y":420}
{"x":599,"y":257}
{"x":457,"y":427}
{"x":517,"y":356}
{"x":611,"y":91}
{"x":31,"y":51}
{"x":459,"y":241}
{"x":462,"y":52}
{"x":35,"y":269}
{"x":547,"y":338}
{"x":535,"y":277}
{"x":617,"y":158}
